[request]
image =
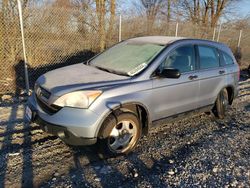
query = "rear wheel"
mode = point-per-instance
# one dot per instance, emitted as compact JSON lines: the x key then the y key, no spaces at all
{"x":119,"y":134}
{"x":221,"y":104}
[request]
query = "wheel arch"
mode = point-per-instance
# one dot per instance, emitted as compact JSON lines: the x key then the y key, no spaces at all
{"x":230,"y":92}
{"x":136,"y":108}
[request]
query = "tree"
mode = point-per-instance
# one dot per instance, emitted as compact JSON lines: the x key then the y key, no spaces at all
{"x":96,"y":21}
{"x":84,"y":15}
{"x":112,"y":18}
{"x":216,"y":10}
{"x":205,"y":12}
{"x":152,"y":8}
{"x":169,"y":10}
{"x":101,"y":11}
{"x":61,"y":14}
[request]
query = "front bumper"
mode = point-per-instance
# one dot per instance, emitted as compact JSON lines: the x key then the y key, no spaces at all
{"x":79,"y":126}
{"x":64,"y":134}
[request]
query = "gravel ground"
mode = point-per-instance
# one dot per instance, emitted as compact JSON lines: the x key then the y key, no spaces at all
{"x":197,"y":151}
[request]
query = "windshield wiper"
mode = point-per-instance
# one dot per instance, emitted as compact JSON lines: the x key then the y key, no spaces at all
{"x":113,"y":71}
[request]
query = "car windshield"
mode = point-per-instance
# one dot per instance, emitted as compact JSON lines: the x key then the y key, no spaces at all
{"x":127,"y":58}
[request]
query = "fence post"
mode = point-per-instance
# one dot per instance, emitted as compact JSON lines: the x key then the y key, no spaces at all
{"x":214,"y":34}
{"x":239,"y":39}
{"x":24,"y":50}
{"x":120,"y":28}
{"x":176,"y":29}
{"x":218,"y":37}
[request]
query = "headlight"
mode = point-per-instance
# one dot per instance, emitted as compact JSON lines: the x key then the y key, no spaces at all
{"x":78,"y":99}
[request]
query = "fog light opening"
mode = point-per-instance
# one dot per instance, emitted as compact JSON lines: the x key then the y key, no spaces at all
{"x":61,"y":134}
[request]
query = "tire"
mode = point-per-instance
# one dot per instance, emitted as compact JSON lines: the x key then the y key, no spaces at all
{"x":221,"y":105}
{"x":119,"y":134}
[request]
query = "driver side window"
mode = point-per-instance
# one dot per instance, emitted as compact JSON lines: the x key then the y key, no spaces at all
{"x":182,"y":58}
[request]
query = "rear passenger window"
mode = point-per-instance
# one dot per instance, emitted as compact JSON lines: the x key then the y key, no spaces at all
{"x":226,"y":59}
{"x":182,"y":58}
{"x":208,"y":57}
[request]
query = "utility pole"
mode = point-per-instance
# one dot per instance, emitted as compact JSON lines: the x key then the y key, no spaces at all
{"x":24,"y":50}
{"x":176,"y":29}
{"x":120,"y":28}
{"x":218,"y":37}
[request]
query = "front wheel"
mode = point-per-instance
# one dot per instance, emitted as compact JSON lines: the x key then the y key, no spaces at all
{"x":221,"y":104}
{"x":119,"y":134}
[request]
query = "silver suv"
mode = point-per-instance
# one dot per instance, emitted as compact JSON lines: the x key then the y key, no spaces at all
{"x":117,"y":96}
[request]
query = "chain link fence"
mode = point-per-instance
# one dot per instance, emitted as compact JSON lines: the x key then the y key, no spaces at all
{"x":52,"y":40}
{"x":59,"y":36}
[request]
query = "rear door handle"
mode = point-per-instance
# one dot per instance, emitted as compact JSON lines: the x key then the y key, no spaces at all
{"x":221,"y":72}
{"x":192,"y":77}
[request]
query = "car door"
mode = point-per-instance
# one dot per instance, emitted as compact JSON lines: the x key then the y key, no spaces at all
{"x":210,"y":74}
{"x":174,"y":96}
{"x":231,"y":69}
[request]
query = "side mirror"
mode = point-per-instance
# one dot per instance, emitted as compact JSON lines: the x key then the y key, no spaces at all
{"x":170,"y":73}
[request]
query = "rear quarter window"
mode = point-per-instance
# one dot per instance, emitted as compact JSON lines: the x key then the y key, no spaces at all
{"x":226,"y":59}
{"x":208,"y":57}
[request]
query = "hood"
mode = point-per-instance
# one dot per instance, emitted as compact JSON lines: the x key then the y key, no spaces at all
{"x":75,"y":77}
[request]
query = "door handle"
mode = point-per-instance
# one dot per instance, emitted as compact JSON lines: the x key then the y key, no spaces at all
{"x":192,"y":77}
{"x":221,"y":72}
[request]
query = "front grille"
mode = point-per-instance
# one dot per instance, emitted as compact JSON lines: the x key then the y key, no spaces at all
{"x":42,"y":96}
{"x":42,"y":93}
{"x":46,"y":108}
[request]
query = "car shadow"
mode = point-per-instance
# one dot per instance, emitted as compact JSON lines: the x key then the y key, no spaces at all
{"x":244,"y":75}
{"x":247,"y":107}
{"x":35,"y":71}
